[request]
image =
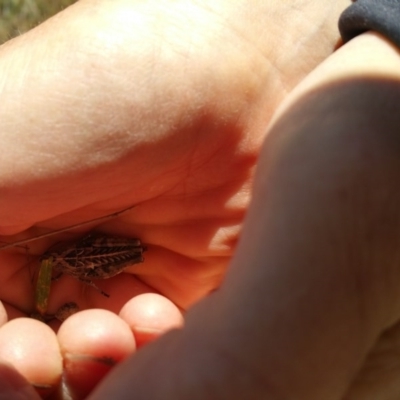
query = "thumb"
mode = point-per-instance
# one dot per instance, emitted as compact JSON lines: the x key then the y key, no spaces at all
{"x":15,"y":386}
{"x":311,"y":286}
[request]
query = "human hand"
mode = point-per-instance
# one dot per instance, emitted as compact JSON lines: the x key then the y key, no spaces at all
{"x":310,"y":306}
{"x":139,"y":103}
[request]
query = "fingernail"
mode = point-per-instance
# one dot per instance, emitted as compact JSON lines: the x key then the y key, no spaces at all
{"x":42,"y":389}
{"x":108,"y":361}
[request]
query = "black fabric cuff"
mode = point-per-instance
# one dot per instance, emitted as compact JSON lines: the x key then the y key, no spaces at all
{"x":382,"y":16}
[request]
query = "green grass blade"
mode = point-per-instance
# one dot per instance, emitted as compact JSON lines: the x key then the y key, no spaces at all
{"x":43,"y":286}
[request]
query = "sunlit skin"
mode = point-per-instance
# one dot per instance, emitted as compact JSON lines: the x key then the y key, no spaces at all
{"x":164,"y":105}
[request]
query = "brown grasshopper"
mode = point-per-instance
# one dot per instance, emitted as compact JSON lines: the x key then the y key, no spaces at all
{"x":95,"y":256}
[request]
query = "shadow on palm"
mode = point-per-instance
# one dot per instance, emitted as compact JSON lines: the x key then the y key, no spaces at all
{"x":190,"y":232}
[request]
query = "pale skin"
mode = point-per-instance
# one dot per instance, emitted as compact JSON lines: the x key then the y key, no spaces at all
{"x":166,"y":105}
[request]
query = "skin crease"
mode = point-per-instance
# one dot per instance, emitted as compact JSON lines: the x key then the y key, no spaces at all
{"x":178,"y":134}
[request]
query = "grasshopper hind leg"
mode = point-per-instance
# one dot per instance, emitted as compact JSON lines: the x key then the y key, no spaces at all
{"x":57,"y":277}
{"x":93,"y":285}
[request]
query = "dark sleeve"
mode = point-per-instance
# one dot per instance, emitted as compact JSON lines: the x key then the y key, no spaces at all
{"x":382,"y":16}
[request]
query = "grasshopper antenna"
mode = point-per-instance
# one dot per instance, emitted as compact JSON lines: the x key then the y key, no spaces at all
{"x":68,"y":228}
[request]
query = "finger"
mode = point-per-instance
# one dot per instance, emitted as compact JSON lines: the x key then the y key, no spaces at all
{"x":149,"y":316}
{"x":92,"y":342}
{"x":32,"y":348}
{"x":3,"y":314}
